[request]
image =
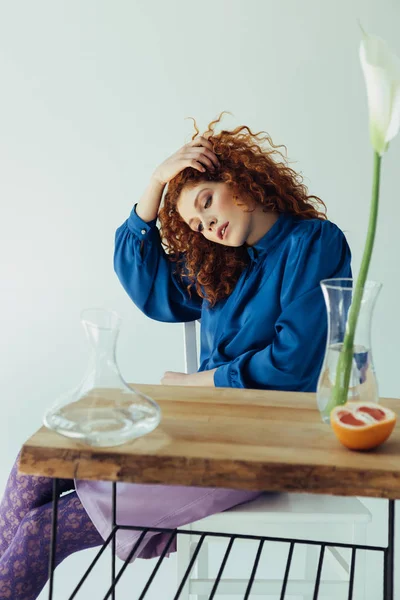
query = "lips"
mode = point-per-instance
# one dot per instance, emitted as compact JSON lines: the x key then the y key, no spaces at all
{"x":221,"y":229}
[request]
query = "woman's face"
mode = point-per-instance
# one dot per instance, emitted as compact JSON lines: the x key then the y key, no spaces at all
{"x":209,"y":208}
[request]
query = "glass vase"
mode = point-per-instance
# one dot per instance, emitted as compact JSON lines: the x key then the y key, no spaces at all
{"x":363,"y":385}
{"x":103,"y":410}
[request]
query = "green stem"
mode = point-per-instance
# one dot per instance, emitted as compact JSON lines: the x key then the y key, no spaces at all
{"x":343,"y":371}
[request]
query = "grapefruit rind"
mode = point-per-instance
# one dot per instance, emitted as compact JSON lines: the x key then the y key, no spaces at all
{"x":369,"y":432}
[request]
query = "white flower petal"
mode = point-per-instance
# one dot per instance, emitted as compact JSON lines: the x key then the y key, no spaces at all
{"x":379,"y":101}
{"x":394,"y":124}
{"x":381,"y":70}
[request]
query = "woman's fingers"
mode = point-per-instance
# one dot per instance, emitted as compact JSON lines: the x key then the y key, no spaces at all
{"x":201,"y":157}
{"x":205,"y":146}
{"x":201,"y":141}
{"x":192,"y":162}
{"x":197,"y":152}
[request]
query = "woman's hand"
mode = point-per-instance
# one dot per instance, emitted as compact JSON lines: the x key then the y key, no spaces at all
{"x":205,"y":378}
{"x":197,"y":154}
{"x":173,"y":378}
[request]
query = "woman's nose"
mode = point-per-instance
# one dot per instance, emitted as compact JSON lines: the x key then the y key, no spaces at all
{"x":212,"y":223}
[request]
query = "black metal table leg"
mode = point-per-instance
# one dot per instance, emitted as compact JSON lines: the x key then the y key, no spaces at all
{"x":388,"y":582}
{"x":53,"y":541}
{"x":114,"y":524}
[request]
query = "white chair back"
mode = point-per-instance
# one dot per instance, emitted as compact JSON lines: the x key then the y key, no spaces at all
{"x":190,"y":347}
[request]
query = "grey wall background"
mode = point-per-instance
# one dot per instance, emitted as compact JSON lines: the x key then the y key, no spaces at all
{"x":93,"y":96}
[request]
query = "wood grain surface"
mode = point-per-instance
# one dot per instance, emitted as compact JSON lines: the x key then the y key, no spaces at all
{"x":233,"y":438}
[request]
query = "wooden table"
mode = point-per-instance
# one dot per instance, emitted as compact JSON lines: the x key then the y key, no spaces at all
{"x":224,"y":437}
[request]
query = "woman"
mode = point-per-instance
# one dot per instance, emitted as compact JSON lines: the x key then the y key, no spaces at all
{"x":245,"y":250}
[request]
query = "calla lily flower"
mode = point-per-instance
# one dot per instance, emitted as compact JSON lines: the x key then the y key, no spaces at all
{"x":382,"y":77}
{"x":381,"y":70}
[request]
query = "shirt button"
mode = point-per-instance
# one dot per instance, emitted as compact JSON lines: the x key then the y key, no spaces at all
{"x":143,"y":232}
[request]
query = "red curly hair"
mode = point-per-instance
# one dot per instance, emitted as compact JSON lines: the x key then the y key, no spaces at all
{"x":247,"y":166}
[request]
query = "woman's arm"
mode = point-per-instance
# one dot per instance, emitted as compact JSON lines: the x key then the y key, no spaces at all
{"x":143,"y":268}
{"x":148,"y":276}
{"x":205,"y":378}
{"x":149,"y":204}
{"x":197,"y":154}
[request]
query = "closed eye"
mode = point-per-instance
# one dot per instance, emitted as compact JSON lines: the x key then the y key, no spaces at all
{"x":206,"y":205}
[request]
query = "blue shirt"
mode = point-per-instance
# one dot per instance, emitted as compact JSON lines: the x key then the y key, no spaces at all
{"x":271,"y":332}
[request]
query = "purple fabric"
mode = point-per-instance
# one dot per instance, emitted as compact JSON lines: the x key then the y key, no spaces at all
{"x":145,"y":505}
{"x":25,"y":520}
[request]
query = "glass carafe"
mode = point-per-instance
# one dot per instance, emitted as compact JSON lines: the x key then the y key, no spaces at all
{"x":363,"y":385}
{"x":103,"y":410}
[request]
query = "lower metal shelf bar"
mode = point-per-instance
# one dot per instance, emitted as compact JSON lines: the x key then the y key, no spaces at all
{"x":244,"y":536}
{"x":190,"y":566}
{"x":222,"y":567}
{"x":158,"y":565}
{"x":92,"y":564}
{"x":254,"y":570}
{"x":319,"y":570}
{"x":286,"y":576}
{"x":126,"y":563}
{"x":352,"y":567}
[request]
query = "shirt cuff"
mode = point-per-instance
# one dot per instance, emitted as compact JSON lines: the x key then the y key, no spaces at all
{"x":139,"y":227}
{"x":224,"y":376}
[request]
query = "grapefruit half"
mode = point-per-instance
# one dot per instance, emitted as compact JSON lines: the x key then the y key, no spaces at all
{"x":362,"y":425}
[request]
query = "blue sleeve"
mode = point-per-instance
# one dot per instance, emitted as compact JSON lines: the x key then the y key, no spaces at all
{"x":293,"y":360}
{"x":146,"y":273}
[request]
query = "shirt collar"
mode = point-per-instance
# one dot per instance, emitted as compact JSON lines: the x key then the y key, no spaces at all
{"x":273,"y":237}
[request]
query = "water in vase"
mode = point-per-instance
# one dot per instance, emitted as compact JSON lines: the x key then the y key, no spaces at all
{"x":362,"y":386}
